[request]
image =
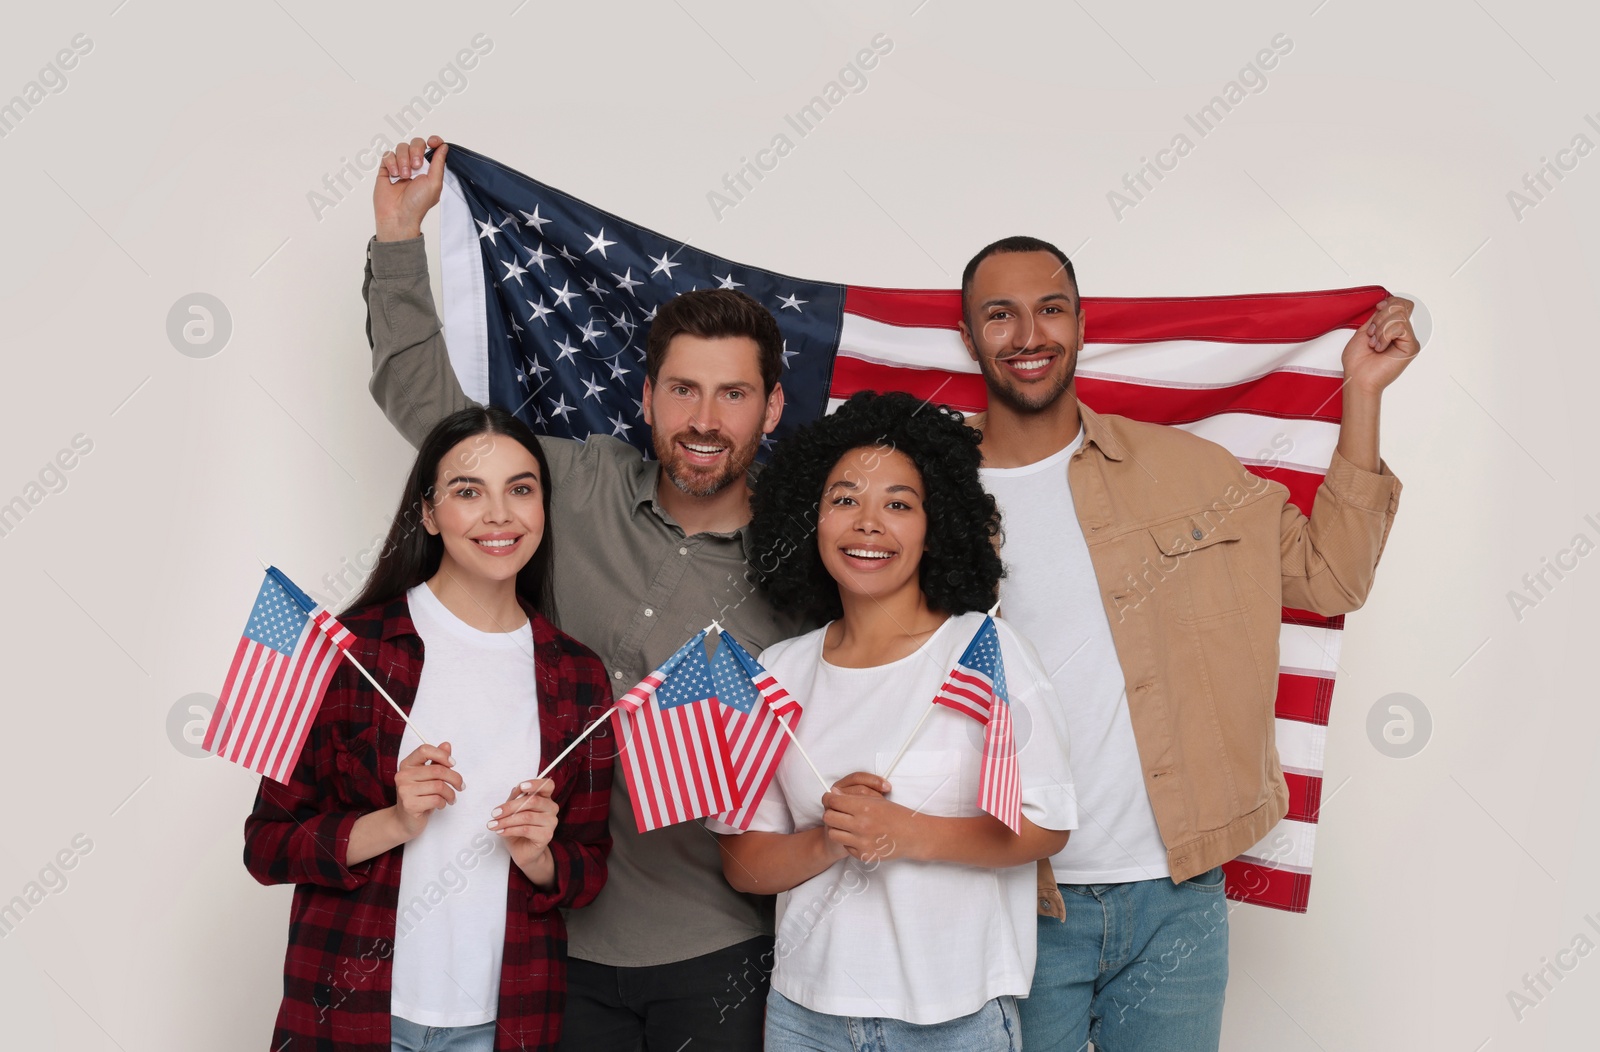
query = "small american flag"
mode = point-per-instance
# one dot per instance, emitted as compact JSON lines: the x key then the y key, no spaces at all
{"x":548,"y":299}
{"x":673,"y":753}
{"x":280,"y":671}
{"x":977,"y":687}
{"x":753,"y":702}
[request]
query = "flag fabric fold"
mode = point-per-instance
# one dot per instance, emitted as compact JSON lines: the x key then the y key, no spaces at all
{"x":753,"y":703}
{"x":674,"y":756}
{"x":976,"y":687}
{"x":280,"y":672}
{"x":548,"y":300}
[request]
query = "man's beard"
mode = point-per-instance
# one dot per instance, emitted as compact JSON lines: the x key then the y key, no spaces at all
{"x":704,"y":482}
{"x":999,"y":381}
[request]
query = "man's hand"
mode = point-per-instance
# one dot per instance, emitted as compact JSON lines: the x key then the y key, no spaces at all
{"x":399,"y":207}
{"x":1381,"y":349}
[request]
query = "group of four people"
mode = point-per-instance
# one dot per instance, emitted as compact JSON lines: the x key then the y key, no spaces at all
{"x":531,"y":913}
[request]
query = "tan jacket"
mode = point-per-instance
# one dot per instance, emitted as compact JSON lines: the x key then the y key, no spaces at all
{"x":1195,"y":557}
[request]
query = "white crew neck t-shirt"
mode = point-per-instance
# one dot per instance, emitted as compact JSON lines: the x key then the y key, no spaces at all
{"x":925,"y":942}
{"x":477,"y":692}
{"x":1050,"y":594}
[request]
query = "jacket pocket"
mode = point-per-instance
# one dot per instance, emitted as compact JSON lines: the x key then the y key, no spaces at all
{"x":1195,"y":556}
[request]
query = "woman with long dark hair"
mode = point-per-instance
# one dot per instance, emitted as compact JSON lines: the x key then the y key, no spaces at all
{"x":430,"y":875}
{"x":905,"y":914}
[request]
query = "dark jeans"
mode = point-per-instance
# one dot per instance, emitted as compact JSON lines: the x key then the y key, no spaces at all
{"x":713,"y":1003}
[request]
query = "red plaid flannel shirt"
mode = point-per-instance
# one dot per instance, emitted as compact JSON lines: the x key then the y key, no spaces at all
{"x":337,"y":972}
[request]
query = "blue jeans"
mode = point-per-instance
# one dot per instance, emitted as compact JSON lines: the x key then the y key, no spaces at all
{"x":795,"y":1028}
{"x":406,"y":1036}
{"x":1136,"y":967}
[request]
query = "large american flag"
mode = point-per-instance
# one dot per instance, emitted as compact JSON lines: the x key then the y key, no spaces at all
{"x":673,"y":753}
{"x":976,"y":686}
{"x":280,"y":672}
{"x":753,"y":701}
{"x":547,"y":299}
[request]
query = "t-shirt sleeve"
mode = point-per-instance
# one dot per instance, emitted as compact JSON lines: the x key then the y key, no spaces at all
{"x":1038,"y":719}
{"x":772,"y":815}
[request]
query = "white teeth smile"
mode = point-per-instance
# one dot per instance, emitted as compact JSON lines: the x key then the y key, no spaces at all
{"x":707,"y":450}
{"x":867,"y":553}
{"x":1031,"y":367}
{"x":498,"y":544}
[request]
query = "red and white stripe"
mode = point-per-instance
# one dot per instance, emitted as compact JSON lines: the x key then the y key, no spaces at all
{"x":1260,"y":375}
{"x":661,"y":755}
{"x":270,"y":699}
{"x":755,"y":745}
{"x":999,"y":781}
{"x":643,"y":691}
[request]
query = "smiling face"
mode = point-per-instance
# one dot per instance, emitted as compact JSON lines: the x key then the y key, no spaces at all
{"x":707,"y":411}
{"x":871,"y":526}
{"x":1024,"y":327}
{"x":488,"y":508}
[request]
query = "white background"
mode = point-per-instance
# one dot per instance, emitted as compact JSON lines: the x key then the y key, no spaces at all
{"x":179,"y":157}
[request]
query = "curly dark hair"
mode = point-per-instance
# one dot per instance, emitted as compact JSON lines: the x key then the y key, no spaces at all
{"x":961,"y":569}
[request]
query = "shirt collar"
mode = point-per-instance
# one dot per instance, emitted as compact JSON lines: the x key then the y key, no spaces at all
{"x":647,"y":487}
{"x":646,"y":484}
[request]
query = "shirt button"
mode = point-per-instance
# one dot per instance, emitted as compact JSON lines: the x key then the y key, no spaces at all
{"x":649,"y":612}
{"x":616,"y":675}
{"x":683,"y":551}
{"x":1197,"y":535}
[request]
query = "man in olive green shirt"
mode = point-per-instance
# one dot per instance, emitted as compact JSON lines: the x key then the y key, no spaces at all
{"x":647,"y":554}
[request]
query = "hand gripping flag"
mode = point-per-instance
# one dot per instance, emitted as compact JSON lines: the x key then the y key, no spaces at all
{"x":548,"y":299}
{"x":280,"y":672}
{"x":977,"y":687}
{"x":753,"y":701}
{"x":673,"y":754}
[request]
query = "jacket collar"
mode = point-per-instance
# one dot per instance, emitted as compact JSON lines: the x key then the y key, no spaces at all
{"x":1099,"y":430}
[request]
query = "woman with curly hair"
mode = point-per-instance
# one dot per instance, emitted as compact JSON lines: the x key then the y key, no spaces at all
{"x":905,"y":914}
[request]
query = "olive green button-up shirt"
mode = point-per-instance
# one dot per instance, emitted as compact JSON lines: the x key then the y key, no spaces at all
{"x":630,"y":584}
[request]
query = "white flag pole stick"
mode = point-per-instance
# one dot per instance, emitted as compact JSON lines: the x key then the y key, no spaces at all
{"x":896,"y":761}
{"x":577,"y":741}
{"x":826,"y":788}
{"x":386,"y":697}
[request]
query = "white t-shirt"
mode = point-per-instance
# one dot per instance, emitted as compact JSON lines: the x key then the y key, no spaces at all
{"x":1050,"y":594}
{"x":925,"y":942}
{"x":477,"y":692}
